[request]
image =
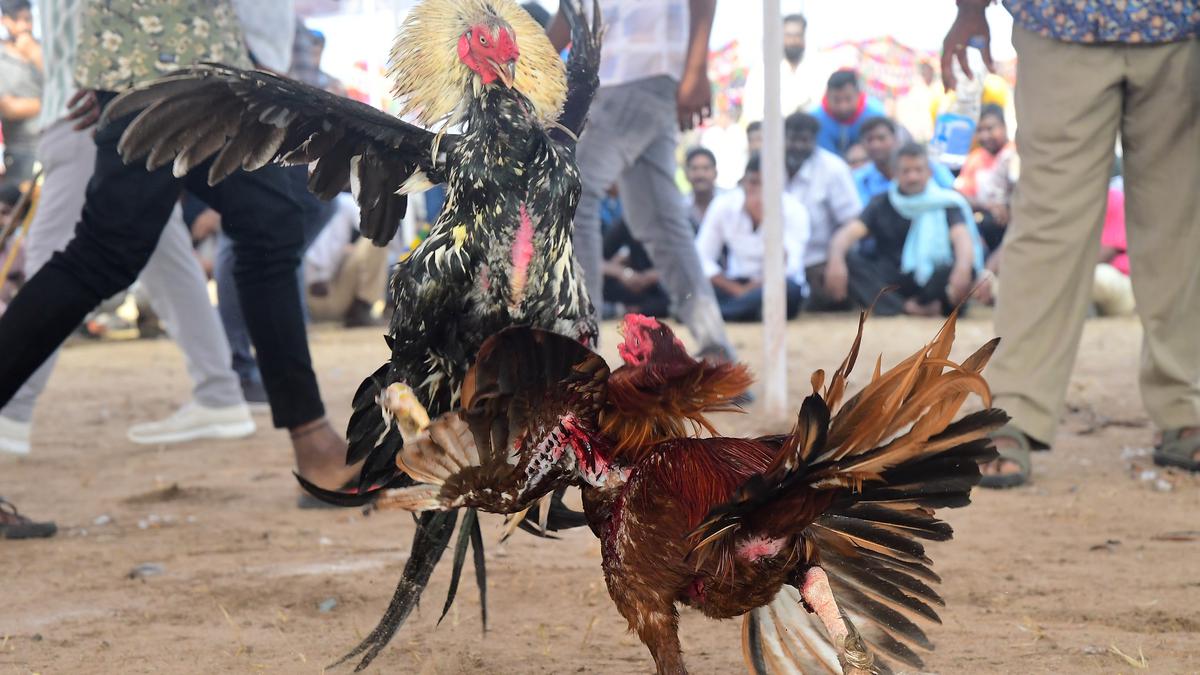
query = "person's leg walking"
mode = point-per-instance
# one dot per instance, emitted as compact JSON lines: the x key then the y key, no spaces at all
{"x":177,"y":289}
{"x":68,"y":159}
{"x":125,"y":210}
{"x":262,"y":217}
{"x":1161,"y":138}
{"x":229,"y":309}
{"x":603,"y":152}
{"x":1069,"y":100}
{"x":655,"y":215}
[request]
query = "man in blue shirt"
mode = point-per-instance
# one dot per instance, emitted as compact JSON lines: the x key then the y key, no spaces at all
{"x":880,"y":141}
{"x":1088,"y":70}
{"x":843,"y":111}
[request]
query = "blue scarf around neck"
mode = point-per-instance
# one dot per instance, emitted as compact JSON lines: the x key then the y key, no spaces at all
{"x":927,"y":245}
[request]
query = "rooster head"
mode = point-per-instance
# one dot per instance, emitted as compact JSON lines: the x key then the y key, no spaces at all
{"x":490,"y":51}
{"x":449,"y":50}
{"x":648,"y":340}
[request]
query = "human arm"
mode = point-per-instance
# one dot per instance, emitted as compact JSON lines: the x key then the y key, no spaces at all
{"x":970,"y":27}
{"x":17,"y":108}
{"x":837,"y":274}
{"x":711,"y":239}
{"x":962,"y":274}
{"x":29,"y":48}
{"x":559,"y":32}
{"x":694,"y":96}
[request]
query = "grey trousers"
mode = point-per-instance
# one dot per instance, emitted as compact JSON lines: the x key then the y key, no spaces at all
{"x":630,"y":140}
{"x":173,"y":279}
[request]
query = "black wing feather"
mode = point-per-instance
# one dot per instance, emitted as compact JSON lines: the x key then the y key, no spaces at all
{"x":258,"y":118}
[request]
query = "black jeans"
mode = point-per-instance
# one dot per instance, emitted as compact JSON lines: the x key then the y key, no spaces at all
{"x":748,"y":307}
{"x":870,"y":274}
{"x":122,"y":220}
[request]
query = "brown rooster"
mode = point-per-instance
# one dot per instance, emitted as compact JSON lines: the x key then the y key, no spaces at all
{"x":827,"y":518}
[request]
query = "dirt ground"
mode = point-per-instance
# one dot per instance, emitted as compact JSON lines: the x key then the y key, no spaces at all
{"x":1099,"y":557}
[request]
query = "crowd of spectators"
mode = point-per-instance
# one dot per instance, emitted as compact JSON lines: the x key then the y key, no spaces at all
{"x":853,"y":224}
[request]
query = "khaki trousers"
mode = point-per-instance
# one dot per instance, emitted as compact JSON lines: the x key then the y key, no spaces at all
{"x":1072,"y":100}
{"x":361,"y":276}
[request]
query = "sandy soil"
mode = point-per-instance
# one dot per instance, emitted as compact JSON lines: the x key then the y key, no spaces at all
{"x":1056,"y":577}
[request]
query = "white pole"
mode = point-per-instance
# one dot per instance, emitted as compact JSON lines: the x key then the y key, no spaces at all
{"x":774,"y":368}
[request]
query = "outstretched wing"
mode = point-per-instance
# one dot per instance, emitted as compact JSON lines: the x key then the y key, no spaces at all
{"x":583,"y":67}
{"x":249,"y":118}
{"x":531,"y":396}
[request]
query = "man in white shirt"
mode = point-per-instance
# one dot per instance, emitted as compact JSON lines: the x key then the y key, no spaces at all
{"x":823,"y":183}
{"x":653,"y":81}
{"x":800,"y":87}
{"x":733,"y":226}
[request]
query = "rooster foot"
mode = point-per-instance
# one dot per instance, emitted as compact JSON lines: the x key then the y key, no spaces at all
{"x":817,"y":596}
{"x":400,"y":404}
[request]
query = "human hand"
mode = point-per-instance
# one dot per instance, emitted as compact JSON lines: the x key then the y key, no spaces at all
{"x":984,"y":291}
{"x":970,"y":28}
{"x":206,"y":225}
{"x":960,"y":284}
{"x":837,"y":279}
{"x":85,"y":109}
{"x":693,"y":100}
{"x":999,"y":213}
{"x":26,"y":46}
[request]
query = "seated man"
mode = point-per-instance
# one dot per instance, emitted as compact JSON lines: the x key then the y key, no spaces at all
{"x":880,"y":140}
{"x":700,"y":168}
{"x":754,"y":137}
{"x":926,"y":243}
{"x":843,"y":111}
{"x":989,"y":175}
{"x":733,"y":225}
{"x":631,"y":284}
{"x":857,"y":157}
{"x":824,"y":185}
{"x":346,"y":274}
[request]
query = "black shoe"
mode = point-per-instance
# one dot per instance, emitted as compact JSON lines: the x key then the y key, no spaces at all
{"x":359,"y":315}
{"x":13,"y":525}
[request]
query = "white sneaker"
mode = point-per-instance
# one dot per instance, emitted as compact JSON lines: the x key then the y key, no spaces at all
{"x":193,"y":421}
{"x":14,"y":436}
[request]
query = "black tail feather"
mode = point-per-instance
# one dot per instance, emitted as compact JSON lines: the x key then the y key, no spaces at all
{"x":480,"y":570}
{"x":460,"y":555}
{"x":430,"y":541}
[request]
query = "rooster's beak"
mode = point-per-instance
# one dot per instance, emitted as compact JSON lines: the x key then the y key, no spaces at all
{"x":507,"y":72}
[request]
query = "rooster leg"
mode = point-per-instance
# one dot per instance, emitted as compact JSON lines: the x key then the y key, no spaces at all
{"x":818,"y":599}
{"x":659,"y":631}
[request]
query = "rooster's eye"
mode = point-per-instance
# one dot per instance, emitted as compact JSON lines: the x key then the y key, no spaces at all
{"x":482,"y":41}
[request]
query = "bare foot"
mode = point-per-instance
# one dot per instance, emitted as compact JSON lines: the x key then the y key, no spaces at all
{"x":321,"y":455}
{"x":1001,"y":466}
{"x":914,"y":308}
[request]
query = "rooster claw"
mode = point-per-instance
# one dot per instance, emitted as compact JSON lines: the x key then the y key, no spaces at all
{"x":400,"y":403}
{"x":856,"y":658}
